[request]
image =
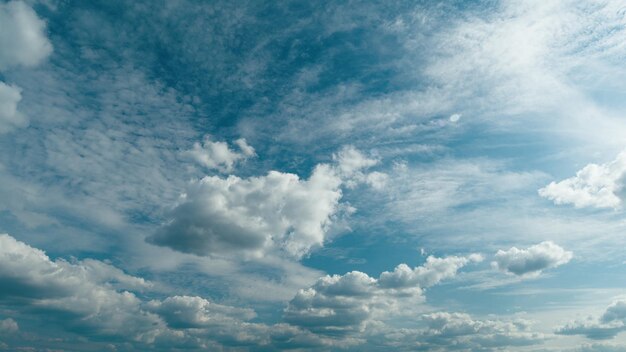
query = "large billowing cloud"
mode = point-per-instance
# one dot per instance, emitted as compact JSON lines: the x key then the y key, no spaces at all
{"x":598,"y":186}
{"x":533,"y":260}
{"x":95,"y":299}
{"x":278,"y":212}
{"x":339,"y":305}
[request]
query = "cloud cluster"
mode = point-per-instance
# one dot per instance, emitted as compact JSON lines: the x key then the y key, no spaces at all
{"x":218,"y":155}
{"x":466,"y":333}
{"x":98,"y":301}
{"x":340,"y":305}
{"x":255,"y":216}
{"x":92,"y":298}
{"x":532,"y":260}
{"x":597,"y":186}
{"x":611,"y":323}
{"x":23,"y":42}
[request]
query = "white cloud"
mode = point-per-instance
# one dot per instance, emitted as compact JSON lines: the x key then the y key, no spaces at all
{"x":350,"y":165}
{"x":610,"y":323}
{"x":10,"y":117}
{"x":218,"y":155}
{"x":85,"y":291}
{"x":340,"y":305}
{"x":8,"y":326}
{"x":92,"y":299}
{"x":466,"y":333}
{"x":22,"y":36}
{"x":598,"y":186}
{"x":275,"y":213}
{"x":533,"y":260}
{"x":433,"y":271}
{"x":184,"y":312}
{"x":22,"y":43}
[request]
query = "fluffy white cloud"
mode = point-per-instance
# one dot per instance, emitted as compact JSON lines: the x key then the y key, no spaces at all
{"x":84,"y":291}
{"x":22,"y":42}
{"x":533,"y":260}
{"x":92,"y":298}
{"x":598,"y":186}
{"x":218,"y":155}
{"x":432,"y":272}
{"x":10,"y":117}
{"x":278,"y":212}
{"x":340,"y":305}
{"x":197,"y":312}
{"x":466,"y":333}
{"x":22,"y":36}
{"x":607,"y":326}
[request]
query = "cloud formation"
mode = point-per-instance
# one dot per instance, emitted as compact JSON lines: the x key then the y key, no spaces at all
{"x":10,"y":117}
{"x":532,"y":260}
{"x":466,"y":333}
{"x":275,"y":213}
{"x":607,"y":326}
{"x":23,"y":41}
{"x":218,"y":155}
{"x":596,"y":186}
{"x":340,"y":305}
{"x":94,"y":299}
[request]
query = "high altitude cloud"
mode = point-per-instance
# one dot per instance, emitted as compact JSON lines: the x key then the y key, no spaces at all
{"x":533,"y":260}
{"x":218,"y":155}
{"x":23,"y":42}
{"x":278,"y":212}
{"x":339,"y":305}
{"x":598,"y":186}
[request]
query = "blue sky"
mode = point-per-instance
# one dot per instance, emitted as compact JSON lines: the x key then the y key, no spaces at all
{"x":312,"y":176}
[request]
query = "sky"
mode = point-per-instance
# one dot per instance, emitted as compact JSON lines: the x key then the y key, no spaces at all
{"x":186,"y":175}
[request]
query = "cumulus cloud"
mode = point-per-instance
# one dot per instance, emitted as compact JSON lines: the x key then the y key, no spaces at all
{"x":90,"y":303}
{"x":597,"y":186}
{"x":339,"y":305}
{"x":466,"y":333}
{"x":275,"y":213}
{"x":610,"y":323}
{"x":23,"y":39}
{"x":196,"y":312}
{"x":10,"y":117}
{"x":94,"y":299}
{"x":278,"y":211}
{"x":533,"y":260}
{"x":23,"y":42}
{"x":218,"y":155}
